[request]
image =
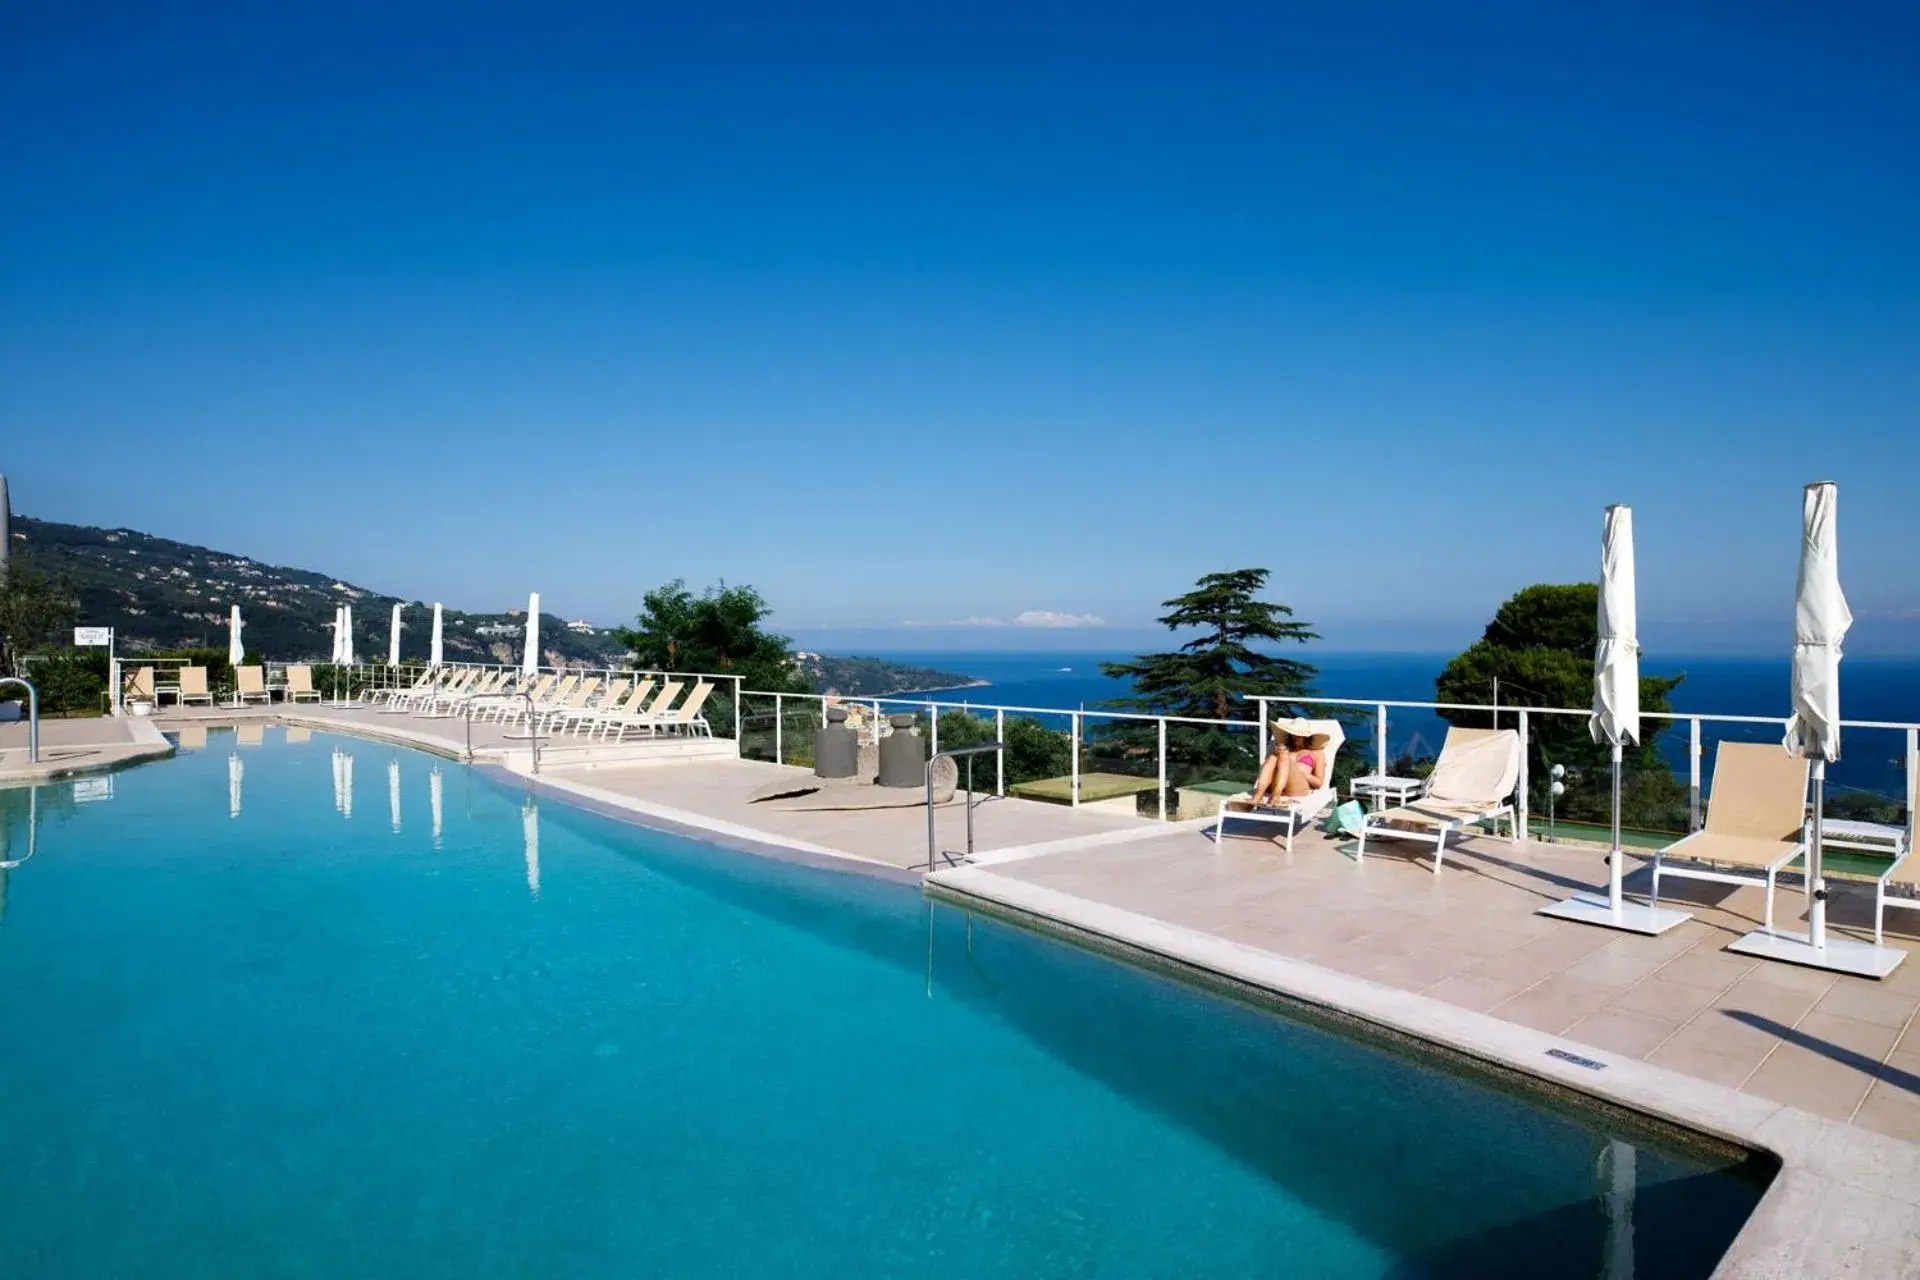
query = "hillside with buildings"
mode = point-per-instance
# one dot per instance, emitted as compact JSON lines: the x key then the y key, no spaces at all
{"x":160,"y":594}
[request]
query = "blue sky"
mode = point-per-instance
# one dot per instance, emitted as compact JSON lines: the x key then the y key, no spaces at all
{"x":934,"y":313}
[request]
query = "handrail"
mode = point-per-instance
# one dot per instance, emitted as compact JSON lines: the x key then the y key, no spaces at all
{"x":979,"y":748}
{"x":33,"y":831}
{"x":533,"y":735}
{"x":33,"y":715}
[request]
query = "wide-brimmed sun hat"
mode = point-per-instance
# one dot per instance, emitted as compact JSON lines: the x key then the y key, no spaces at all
{"x":1298,"y":728}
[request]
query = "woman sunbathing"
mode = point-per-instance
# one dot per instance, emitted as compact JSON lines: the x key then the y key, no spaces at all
{"x":1297,"y":766}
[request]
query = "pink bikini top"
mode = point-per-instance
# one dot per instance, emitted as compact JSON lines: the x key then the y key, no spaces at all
{"x":1306,"y":759}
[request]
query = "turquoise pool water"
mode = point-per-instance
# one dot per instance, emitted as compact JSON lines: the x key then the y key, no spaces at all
{"x":268,"y":1013}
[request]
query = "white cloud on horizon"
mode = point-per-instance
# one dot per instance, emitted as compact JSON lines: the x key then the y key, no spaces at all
{"x":1031,"y":618}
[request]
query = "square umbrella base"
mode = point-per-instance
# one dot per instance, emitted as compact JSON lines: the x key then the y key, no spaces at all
{"x":1840,"y":955}
{"x":1633,"y":917}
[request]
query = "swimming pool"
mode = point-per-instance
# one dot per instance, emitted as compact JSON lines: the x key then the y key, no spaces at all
{"x":321,"y":1007}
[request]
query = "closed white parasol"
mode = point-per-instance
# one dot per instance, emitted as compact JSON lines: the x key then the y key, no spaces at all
{"x":1616,"y":721}
{"x":1820,"y":622}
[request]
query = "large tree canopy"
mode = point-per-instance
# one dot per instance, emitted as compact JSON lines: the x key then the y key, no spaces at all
{"x":1540,"y":647}
{"x":719,"y":631}
{"x":1207,"y":676}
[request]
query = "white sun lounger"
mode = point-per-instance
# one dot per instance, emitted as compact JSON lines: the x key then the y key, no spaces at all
{"x":250,"y":685}
{"x":1292,"y":812}
{"x":1472,"y":782}
{"x":300,"y":685}
{"x":649,"y":718}
{"x":1756,"y":821}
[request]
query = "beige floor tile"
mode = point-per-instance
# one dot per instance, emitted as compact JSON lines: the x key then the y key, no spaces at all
{"x":1479,"y":992}
{"x":1660,"y":998}
{"x":1633,"y":1034}
{"x":1555,"y":1004}
{"x":1809,"y":1080}
{"x":1861,"y":999}
{"x":1766,"y":1001}
{"x":1700,"y":967}
{"x":1892,"y":1109}
{"x":1616,"y":966}
{"x":1862,"y":1039}
{"x":1418,"y":972}
{"x":1705,"y":1063}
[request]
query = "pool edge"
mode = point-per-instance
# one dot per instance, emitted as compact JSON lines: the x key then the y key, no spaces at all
{"x":1845,"y":1202}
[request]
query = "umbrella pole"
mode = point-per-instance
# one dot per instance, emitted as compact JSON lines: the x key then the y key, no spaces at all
{"x":1816,"y":877}
{"x":1615,"y":890}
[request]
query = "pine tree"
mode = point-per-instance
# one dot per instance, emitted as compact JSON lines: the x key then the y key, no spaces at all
{"x":1207,"y":677}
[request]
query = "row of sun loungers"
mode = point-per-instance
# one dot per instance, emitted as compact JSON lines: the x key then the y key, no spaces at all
{"x":552,"y":703}
{"x":1755,"y":828}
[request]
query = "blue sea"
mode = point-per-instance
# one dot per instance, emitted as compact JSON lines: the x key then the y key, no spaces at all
{"x":1886,"y":689}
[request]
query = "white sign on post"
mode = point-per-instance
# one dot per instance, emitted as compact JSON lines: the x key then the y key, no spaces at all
{"x":92,"y":637}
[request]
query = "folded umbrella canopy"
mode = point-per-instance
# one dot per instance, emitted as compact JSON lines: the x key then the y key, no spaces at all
{"x":530,"y":658}
{"x":434,"y":651}
{"x":236,"y":654}
{"x":1616,"y":721}
{"x":393,"y":639}
{"x":1820,"y":623}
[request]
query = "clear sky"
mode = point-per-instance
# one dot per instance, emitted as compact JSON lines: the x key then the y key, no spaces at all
{"x":934,"y":312}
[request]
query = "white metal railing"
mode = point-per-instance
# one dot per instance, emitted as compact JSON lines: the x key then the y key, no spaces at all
{"x":1076,"y":722}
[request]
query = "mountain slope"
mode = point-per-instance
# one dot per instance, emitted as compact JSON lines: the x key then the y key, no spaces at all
{"x":161,"y":594}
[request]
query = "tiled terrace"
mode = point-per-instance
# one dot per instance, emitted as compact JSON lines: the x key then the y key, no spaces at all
{"x":716,"y":791}
{"x":1837,"y":1046}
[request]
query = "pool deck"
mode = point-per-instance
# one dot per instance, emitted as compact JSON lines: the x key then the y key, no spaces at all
{"x":712,"y":793}
{"x":77,"y":746}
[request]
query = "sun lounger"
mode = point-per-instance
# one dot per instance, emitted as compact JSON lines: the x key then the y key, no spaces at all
{"x":508,"y":703}
{"x":460,"y":685}
{"x":1897,"y":843}
{"x":649,"y":718}
{"x":250,"y":685}
{"x":578,"y":717}
{"x":137,"y":686}
{"x":401,"y":693}
{"x":193,"y":687}
{"x":1472,"y":782}
{"x":573,"y":702}
{"x":1756,"y":821}
{"x":300,"y":685}
{"x":1292,"y":812}
{"x":687,"y":715}
{"x":629,"y":707}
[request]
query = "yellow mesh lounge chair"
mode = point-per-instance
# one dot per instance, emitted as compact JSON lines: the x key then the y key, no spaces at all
{"x":137,"y":685}
{"x":300,"y":685}
{"x":576,"y":699}
{"x":576,"y":717}
{"x":1472,"y":782}
{"x":513,"y":707}
{"x":629,"y":707}
{"x":1756,"y":821}
{"x":653,"y":714}
{"x":250,"y":685}
{"x":687,"y":715}
{"x":193,"y":686}
{"x":1291,"y":812}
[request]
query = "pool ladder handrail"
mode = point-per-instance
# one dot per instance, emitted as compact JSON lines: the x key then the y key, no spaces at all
{"x":934,"y":853}
{"x":33,"y":715}
{"x":532,"y":734}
